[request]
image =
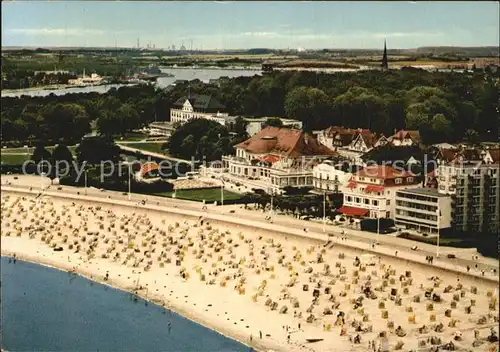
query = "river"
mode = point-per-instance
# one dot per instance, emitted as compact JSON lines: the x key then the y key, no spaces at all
{"x":44,"y":309}
{"x":203,"y":74}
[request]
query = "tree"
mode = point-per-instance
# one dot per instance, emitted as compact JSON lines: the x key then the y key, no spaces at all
{"x":129,"y":118}
{"x":362,"y":108}
{"x":97,"y":149}
{"x":273,"y":122}
{"x":64,"y":121}
{"x":441,"y":127}
{"x":62,"y":157}
{"x":41,"y":153}
{"x":240,"y":127}
{"x":309,"y":105}
{"x":199,"y":138}
{"x":471,"y":136}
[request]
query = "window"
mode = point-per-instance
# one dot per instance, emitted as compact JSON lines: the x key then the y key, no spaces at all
{"x":358,"y":200}
{"x":349,"y":198}
{"x":388,"y":202}
{"x":397,"y":181}
{"x":409,"y":179}
{"x":367,"y":201}
{"x":375,"y":202}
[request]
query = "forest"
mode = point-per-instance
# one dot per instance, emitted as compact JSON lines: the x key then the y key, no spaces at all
{"x":443,"y":106}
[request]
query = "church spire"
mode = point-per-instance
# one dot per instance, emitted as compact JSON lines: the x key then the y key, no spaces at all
{"x":385,"y":63}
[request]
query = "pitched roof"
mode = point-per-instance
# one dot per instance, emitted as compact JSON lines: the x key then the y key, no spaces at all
{"x":495,"y":155}
{"x":285,"y":141}
{"x":200,"y":102}
{"x":385,"y":172}
{"x":404,"y":134}
{"x":451,"y":155}
{"x":345,"y":135}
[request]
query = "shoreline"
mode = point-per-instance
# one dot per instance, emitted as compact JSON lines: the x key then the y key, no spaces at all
{"x":213,"y":306}
{"x":95,"y":277}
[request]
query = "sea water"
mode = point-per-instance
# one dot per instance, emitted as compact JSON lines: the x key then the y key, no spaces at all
{"x":45,"y":309}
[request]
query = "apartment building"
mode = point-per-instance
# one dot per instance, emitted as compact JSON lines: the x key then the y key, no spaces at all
{"x":276,"y":158}
{"x":424,"y":210}
{"x":371,"y":191}
{"x":198,"y":107}
{"x":473,"y":186}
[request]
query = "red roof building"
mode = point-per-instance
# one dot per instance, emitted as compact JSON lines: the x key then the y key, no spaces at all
{"x":373,"y":189}
{"x":149,"y":170}
{"x":278,"y":156}
{"x":405,"y":138}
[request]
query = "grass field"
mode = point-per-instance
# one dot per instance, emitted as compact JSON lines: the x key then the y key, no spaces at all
{"x":25,"y":150}
{"x":150,"y":147}
{"x":14,"y":156}
{"x":14,"y":159}
{"x":208,"y":194}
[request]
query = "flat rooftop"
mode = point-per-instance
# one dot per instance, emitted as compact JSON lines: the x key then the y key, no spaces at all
{"x":431,"y":192}
{"x":264,"y":119}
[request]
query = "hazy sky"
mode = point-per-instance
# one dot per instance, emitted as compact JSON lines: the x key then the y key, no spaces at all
{"x":238,"y":24}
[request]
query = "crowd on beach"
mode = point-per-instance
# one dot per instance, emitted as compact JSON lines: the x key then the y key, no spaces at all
{"x":323,"y":293}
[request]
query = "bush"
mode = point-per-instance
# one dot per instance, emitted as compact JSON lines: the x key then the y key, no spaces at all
{"x":292,"y":191}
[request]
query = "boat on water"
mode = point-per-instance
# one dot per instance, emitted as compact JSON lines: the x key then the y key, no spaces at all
{"x":154,"y":70}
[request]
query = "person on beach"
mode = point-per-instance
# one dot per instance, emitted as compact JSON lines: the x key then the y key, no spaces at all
{"x":468,"y":268}
{"x":260,"y":334}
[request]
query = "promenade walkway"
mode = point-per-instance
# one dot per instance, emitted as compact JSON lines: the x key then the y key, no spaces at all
{"x":282,"y":224}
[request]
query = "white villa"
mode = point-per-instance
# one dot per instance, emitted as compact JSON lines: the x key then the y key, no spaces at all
{"x":329,"y":177}
{"x":198,"y":107}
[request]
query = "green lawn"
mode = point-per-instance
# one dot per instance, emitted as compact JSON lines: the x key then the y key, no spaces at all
{"x":150,"y":147}
{"x":208,"y":194}
{"x":14,"y":159}
{"x":17,"y":155}
{"x":25,"y":150}
{"x":132,"y":136}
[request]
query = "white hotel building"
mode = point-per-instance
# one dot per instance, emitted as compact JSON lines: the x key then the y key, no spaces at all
{"x":328,"y":177}
{"x":371,"y":191}
{"x":424,"y":210}
{"x":275,"y":158}
{"x":198,"y":107}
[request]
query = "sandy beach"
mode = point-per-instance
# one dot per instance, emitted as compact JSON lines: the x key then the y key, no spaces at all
{"x":264,"y":289}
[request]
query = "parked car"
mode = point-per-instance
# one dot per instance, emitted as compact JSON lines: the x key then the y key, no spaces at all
{"x":451,"y":256}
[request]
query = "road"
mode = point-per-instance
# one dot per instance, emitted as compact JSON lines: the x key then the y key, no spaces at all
{"x":155,"y":155}
{"x":387,"y":244}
